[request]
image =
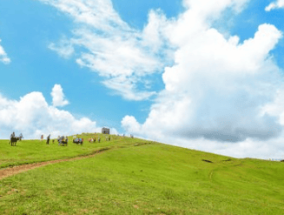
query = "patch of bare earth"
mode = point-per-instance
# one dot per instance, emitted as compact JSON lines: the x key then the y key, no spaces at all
{"x":4,"y":173}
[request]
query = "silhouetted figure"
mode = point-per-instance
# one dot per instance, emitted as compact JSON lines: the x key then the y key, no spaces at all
{"x":48,"y":139}
{"x":21,"y":137}
{"x":13,"y":139}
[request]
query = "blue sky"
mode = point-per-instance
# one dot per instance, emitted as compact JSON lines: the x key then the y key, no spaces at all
{"x":202,"y":74}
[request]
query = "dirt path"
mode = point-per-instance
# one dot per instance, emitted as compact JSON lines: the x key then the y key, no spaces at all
{"x":4,"y":173}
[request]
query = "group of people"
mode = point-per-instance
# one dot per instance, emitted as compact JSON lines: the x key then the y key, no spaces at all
{"x":13,"y":135}
{"x":93,"y":140}
{"x":61,"y":139}
{"x":14,"y":139}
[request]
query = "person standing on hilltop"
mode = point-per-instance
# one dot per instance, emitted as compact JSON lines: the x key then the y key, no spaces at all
{"x":21,"y":136}
{"x":48,"y":139}
{"x":12,"y":135}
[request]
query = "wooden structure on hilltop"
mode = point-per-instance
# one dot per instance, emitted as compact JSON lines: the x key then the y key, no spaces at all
{"x":105,"y":130}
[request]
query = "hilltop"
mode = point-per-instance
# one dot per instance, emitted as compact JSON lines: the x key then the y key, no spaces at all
{"x":134,"y":176}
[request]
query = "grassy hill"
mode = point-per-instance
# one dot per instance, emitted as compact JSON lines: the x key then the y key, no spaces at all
{"x":137,"y":177}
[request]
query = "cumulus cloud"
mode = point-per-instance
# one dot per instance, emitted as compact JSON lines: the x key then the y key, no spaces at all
{"x":33,"y":116}
{"x":219,"y":92}
{"x":3,"y":56}
{"x":272,"y":149}
{"x":106,"y":44}
{"x":275,"y":5}
{"x":57,"y":94}
{"x":219,"y":95}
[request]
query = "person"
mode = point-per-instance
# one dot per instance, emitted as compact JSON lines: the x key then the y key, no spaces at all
{"x":47,"y":139}
{"x":59,"y":140}
{"x":21,"y":136}
{"x":12,"y":135}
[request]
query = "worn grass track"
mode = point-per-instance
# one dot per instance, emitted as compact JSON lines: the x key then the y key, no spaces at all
{"x":10,"y":171}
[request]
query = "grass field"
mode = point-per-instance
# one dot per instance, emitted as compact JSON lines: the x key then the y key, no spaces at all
{"x":138,"y":177}
{"x":37,"y":151}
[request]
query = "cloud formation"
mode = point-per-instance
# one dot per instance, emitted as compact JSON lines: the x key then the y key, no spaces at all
{"x":104,"y":43}
{"x":33,"y":116}
{"x":57,"y":94}
{"x":3,"y":56}
{"x":221,"y":95}
{"x":220,"y":91}
{"x":275,"y":5}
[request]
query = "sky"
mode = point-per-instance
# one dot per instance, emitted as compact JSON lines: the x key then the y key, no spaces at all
{"x":201,"y":74}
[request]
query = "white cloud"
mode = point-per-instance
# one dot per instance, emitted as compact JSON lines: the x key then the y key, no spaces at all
{"x":276,"y":107}
{"x":57,"y":94}
{"x":3,"y":56}
{"x":126,"y":87}
{"x":220,"y":94}
{"x":275,"y":5}
{"x":272,"y":149}
{"x":64,"y":49}
{"x":32,"y":116}
{"x":106,"y":44}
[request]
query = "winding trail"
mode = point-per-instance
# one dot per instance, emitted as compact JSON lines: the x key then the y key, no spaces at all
{"x":10,"y":171}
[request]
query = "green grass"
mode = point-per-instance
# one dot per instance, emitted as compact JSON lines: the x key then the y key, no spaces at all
{"x":30,"y":151}
{"x":147,"y":179}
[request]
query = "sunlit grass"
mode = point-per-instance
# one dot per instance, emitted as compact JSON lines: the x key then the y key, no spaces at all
{"x":147,"y":179}
{"x":30,"y":151}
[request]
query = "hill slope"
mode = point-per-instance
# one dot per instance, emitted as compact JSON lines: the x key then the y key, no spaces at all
{"x":139,"y":177}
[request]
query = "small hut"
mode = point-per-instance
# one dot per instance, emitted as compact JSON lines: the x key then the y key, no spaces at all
{"x":105,"y":130}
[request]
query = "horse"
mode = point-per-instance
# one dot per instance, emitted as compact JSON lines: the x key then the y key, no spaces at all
{"x":14,"y":140}
{"x":62,"y":141}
